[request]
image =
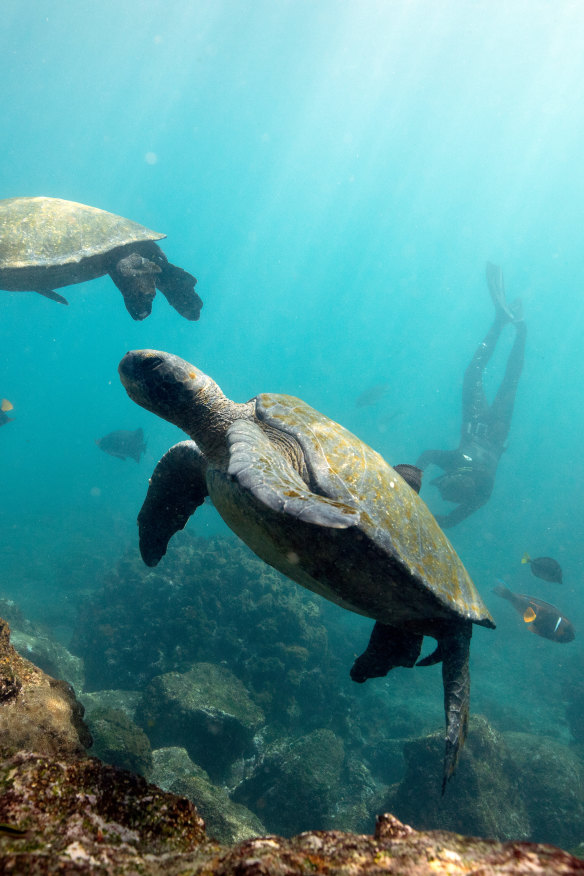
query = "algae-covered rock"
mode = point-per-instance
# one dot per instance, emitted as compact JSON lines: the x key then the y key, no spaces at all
{"x":206,"y":710}
{"x":295,"y":783}
{"x":50,"y":656}
{"x":226,"y":821}
{"x":508,"y":786}
{"x":124,"y":700}
{"x":37,"y":712}
{"x":85,"y":817}
{"x":83,"y":812}
{"x":118,"y":741}
{"x":482,"y":799}
{"x":551,"y":782}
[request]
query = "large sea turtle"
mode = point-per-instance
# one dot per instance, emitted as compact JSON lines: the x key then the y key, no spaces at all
{"x":47,"y":243}
{"x":315,"y":502}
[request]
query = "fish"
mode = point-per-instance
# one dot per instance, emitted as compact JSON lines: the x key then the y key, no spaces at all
{"x":543,"y":619}
{"x":545,"y":568}
{"x":5,"y":405}
{"x":123,"y":443}
{"x":372,"y":395}
{"x":11,"y":830}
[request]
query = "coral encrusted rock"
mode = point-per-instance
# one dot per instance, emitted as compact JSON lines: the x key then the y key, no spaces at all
{"x":37,"y":712}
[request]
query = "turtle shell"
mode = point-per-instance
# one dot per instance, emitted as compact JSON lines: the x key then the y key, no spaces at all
{"x":50,"y":233}
{"x":392,"y":517}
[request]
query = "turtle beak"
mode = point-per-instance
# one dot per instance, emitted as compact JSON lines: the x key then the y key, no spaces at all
{"x":137,"y":364}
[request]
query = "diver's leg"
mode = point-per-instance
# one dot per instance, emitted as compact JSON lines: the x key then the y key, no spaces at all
{"x":388,"y":647}
{"x":474,"y":402}
{"x":504,"y":402}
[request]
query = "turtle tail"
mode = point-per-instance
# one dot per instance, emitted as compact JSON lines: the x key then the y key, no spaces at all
{"x":454,"y":650}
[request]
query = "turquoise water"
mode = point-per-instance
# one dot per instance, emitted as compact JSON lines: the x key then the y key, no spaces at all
{"x":336,"y":174}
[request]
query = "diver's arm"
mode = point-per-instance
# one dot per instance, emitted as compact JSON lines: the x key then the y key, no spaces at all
{"x":444,"y":459}
{"x":461,"y":512}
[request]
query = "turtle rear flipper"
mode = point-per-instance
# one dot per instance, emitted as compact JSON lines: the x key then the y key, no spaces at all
{"x":454,"y":649}
{"x":178,"y":287}
{"x":177,"y":488}
{"x":388,"y":647}
{"x":54,"y":296}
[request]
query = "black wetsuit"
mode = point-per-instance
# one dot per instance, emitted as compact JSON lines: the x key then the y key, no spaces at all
{"x":469,"y":471}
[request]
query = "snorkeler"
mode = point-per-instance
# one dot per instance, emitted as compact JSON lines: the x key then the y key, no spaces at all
{"x":469,"y":471}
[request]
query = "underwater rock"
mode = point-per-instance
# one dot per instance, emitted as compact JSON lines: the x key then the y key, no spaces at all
{"x":296,"y":783}
{"x":225,"y":821}
{"x":50,"y":656}
{"x":206,"y":710}
{"x":551,"y":782}
{"x":37,"y":712}
{"x":120,"y":742}
{"x":85,"y":817}
{"x":508,"y":786}
{"x":573,"y":695}
{"x":125,"y":700}
{"x":482,"y":798}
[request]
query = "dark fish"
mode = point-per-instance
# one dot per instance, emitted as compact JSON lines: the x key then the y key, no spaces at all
{"x":5,"y":405}
{"x":543,"y":619}
{"x":545,"y":568}
{"x":123,"y":443}
{"x":10,"y":830}
{"x":372,"y":395}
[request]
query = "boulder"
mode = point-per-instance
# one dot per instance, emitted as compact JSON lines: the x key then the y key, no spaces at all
{"x":37,"y":712}
{"x":551,"y":782}
{"x":296,"y":783}
{"x":50,"y":656}
{"x":118,"y":741}
{"x":481,"y":799}
{"x":206,"y":710}
{"x":225,"y":821}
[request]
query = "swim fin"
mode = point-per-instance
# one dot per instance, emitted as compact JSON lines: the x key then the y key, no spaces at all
{"x":497,"y":291}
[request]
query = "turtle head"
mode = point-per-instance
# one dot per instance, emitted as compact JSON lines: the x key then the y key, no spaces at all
{"x":178,"y":392}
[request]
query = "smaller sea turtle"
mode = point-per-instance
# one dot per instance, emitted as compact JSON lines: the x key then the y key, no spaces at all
{"x":319,"y":505}
{"x":47,"y":243}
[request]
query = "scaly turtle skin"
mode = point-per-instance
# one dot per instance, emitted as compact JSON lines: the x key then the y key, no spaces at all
{"x":47,"y":243}
{"x":323,"y":508}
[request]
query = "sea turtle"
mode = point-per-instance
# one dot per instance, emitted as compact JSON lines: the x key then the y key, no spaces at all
{"x":46,"y":243}
{"x":315,"y":502}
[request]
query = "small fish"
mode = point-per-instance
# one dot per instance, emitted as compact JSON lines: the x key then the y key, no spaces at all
{"x":5,"y":405}
{"x":545,"y":568}
{"x":543,"y":619}
{"x":372,"y":395}
{"x":10,"y":830}
{"x":123,"y":443}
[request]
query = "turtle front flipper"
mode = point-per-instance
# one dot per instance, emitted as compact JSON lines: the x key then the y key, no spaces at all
{"x":261,"y":469}
{"x":453,"y":650}
{"x":388,"y":647}
{"x":134,"y":276}
{"x":177,"y":488}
